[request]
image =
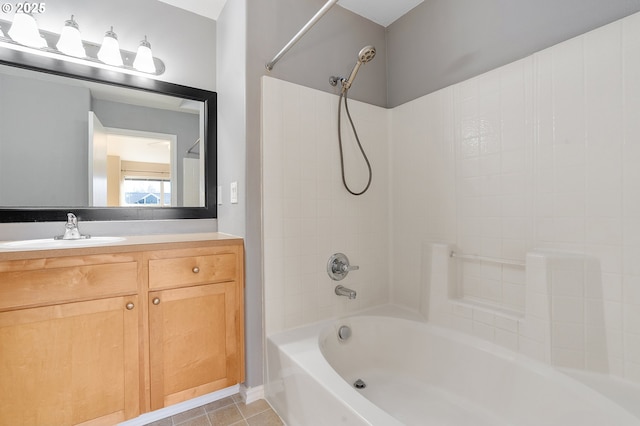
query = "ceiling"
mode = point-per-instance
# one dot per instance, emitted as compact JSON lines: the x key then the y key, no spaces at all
{"x":209,"y":8}
{"x":383,"y":12}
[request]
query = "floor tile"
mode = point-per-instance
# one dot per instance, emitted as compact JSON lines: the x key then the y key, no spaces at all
{"x":182,"y":417}
{"x":196,"y":421}
{"x":254,"y":408}
{"x":162,"y":422}
{"x":229,"y":411}
{"x":215,"y":405}
{"x":225,"y":416}
{"x":266,"y":418}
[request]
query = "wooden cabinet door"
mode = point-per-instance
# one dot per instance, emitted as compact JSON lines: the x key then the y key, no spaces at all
{"x":194,"y":341}
{"x":70,"y":364}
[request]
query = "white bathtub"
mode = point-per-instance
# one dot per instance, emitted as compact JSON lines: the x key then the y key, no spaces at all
{"x":420,"y":374}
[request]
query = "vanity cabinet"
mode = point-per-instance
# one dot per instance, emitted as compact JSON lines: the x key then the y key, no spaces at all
{"x":69,"y":343}
{"x":195,"y":322}
{"x":98,"y":336}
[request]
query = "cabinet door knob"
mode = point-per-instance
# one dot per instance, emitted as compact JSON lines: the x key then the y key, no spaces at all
{"x":156,"y":301}
{"x":195,"y":269}
{"x":130,"y":306}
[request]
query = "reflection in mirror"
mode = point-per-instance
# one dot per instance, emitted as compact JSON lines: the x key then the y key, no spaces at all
{"x":75,"y":143}
{"x":105,"y":145}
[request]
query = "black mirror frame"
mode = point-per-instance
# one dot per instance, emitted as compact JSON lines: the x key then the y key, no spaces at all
{"x":84,"y":72}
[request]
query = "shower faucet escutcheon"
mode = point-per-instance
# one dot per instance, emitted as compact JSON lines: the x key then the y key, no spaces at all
{"x":338,"y":267}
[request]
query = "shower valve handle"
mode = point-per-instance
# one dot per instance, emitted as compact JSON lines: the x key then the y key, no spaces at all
{"x":347,"y":268}
{"x":338,"y":266}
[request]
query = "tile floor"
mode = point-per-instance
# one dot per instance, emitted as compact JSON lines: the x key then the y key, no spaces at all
{"x":229,"y":411}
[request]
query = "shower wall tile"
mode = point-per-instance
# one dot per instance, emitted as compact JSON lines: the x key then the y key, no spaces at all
{"x":307,"y":215}
{"x":540,"y":154}
{"x":423,"y":187}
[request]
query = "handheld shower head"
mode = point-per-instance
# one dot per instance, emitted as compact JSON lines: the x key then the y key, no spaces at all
{"x":366,"y":54}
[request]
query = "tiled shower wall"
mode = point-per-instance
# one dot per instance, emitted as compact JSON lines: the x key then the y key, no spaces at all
{"x":308,"y":215}
{"x":542,"y":153}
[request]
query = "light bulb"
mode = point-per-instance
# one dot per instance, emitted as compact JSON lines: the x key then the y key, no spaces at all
{"x":24,"y":30}
{"x":109,"y":52}
{"x":70,"y":41}
{"x":144,"y":58}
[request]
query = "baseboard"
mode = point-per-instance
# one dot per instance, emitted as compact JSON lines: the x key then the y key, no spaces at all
{"x":250,"y":395}
{"x":182,"y":407}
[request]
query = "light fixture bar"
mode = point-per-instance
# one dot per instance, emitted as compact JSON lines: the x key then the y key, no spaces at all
{"x":91,"y":49}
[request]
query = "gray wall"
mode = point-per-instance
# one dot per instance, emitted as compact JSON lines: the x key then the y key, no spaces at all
{"x":37,"y":166}
{"x":442,"y":42}
{"x":231,"y":168}
{"x":330,"y":48}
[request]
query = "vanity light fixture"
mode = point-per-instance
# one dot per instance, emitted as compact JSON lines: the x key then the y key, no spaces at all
{"x":110,"y":50}
{"x":69,"y":46}
{"x":70,"y":41}
{"x":24,"y":30}
{"x":144,"y":58}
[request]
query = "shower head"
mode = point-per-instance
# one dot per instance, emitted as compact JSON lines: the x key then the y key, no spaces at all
{"x":366,"y":54}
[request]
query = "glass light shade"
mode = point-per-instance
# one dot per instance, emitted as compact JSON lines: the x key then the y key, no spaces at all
{"x":109,"y":52}
{"x":70,"y":41}
{"x":24,"y":30}
{"x":1,"y":33}
{"x":144,"y":58}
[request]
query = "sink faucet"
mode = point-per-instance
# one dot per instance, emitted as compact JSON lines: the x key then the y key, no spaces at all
{"x":343,"y":291}
{"x":71,"y":231}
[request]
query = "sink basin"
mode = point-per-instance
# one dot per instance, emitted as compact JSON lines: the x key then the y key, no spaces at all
{"x":50,"y":243}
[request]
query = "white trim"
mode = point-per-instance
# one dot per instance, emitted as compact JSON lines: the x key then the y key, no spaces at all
{"x":250,"y":395}
{"x":181,"y":407}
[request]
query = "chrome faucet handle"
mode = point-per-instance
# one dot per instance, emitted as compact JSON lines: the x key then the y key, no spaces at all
{"x":347,"y":268}
{"x":72,"y":221}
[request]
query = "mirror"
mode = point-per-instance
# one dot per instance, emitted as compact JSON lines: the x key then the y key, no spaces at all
{"x":105,"y":145}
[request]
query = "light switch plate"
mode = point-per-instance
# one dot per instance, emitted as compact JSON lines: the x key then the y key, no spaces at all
{"x":233,"y":189}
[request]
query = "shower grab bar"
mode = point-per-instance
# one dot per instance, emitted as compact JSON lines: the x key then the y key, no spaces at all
{"x":328,"y":5}
{"x":453,"y":254}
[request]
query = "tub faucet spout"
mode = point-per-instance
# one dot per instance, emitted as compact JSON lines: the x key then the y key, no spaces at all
{"x":343,"y":291}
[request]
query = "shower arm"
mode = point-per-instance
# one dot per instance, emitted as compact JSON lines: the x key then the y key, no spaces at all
{"x":328,"y":5}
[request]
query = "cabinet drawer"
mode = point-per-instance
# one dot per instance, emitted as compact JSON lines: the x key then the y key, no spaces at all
{"x":55,"y":285}
{"x":192,"y":270}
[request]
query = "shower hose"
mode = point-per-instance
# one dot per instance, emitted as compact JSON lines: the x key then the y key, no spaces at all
{"x":355,"y":133}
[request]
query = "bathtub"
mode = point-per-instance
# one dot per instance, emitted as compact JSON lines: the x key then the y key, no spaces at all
{"x":420,"y":374}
